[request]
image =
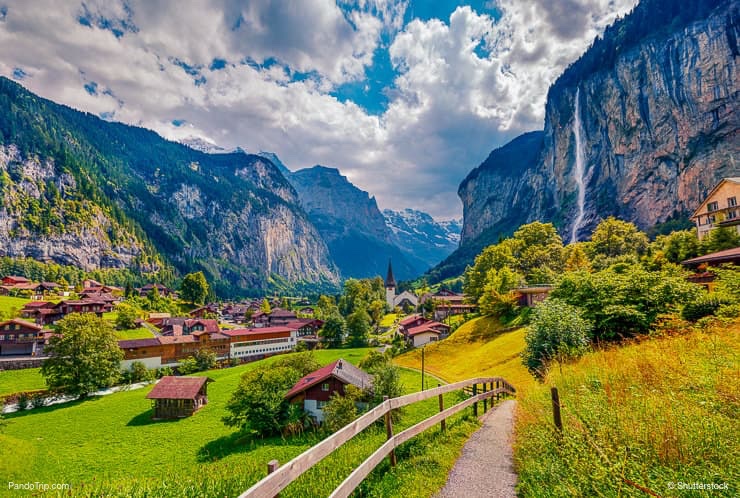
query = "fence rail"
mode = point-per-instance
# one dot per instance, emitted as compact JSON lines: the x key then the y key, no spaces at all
{"x":281,"y":477}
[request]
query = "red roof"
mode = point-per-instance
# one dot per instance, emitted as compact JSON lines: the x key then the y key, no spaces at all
{"x":22,"y":323}
{"x":426,"y":327}
{"x":410,"y":319}
{"x":341,"y":369}
{"x":177,"y":388}
{"x":255,"y":331}
{"x":37,"y":304}
{"x":15,"y":278}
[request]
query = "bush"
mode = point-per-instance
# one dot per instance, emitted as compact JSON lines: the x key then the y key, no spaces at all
{"x":558,"y":332}
{"x":139,"y":373}
{"x":205,"y":359}
{"x":704,"y":305}
{"x":164,"y":372}
{"x":341,"y":410}
{"x":38,"y":400}
{"x":188,"y":366}
{"x":728,"y":311}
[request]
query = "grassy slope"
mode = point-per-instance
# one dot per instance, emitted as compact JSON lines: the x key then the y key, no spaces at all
{"x":11,"y":305}
{"x":105,"y":443}
{"x":13,"y":381}
{"x":665,"y":410}
{"x":140,"y":333}
{"x":475,"y":349}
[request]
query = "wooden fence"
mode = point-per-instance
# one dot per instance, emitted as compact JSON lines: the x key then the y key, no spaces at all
{"x":480,"y":389}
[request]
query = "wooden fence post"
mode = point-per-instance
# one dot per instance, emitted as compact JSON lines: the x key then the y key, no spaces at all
{"x":443,"y":423}
{"x":475,"y":405}
{"x":272,"y":466}
{"x":556,"y":409}
{"x":485,"y":400}
{"x":389,"y":432}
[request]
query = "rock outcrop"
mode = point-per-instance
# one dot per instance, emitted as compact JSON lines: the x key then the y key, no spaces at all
{"x":659,"y":128}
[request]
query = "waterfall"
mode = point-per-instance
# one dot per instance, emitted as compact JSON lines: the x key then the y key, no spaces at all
{"x":579,"y":169}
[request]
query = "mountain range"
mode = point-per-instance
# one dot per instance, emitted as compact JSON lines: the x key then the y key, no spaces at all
{"x":82,"y":191}
{"x":640,"y":127}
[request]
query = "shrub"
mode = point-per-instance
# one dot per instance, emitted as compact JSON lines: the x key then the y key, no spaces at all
{"x":23,"y":401}
{"x":301,"y":347}
{"x":139,"y":373}
{"x":704,"y":305}
{"x":164,"y":372}
{"x":558,"y":332}
{"x":188,"y":365}
{"x":341,"y":410}
{"x":728,"y":311}
{"x":38,"y":400}
{"x":205,"y":359}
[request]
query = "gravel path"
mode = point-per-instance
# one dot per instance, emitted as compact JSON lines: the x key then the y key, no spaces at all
{"x":485,"y":467}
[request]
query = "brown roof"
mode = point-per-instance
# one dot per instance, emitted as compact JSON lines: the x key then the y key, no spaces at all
{"x":138,"y":343}
{"x":343,"y":370}
{"x":170,"y":387}
{"x":726,"y":256}
{"x":410,"y":319}
{"x":427,"y":327}
{"x":22,"y":323}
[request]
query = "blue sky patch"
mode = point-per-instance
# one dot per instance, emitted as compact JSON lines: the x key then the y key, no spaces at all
{"x":371,"y":92}
{"x":3,"y":12}
{"x":178,"y":122}
{"x":91,"y":88}
{"x":217,"y":64}
{"x":19,"y":74}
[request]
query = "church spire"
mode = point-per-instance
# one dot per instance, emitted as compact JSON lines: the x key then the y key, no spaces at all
{"x":389,"y":280}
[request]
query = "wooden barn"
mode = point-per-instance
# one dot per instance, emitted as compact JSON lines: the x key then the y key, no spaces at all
{"x":178,"y":397}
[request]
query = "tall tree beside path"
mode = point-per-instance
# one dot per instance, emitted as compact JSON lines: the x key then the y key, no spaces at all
{"x":194,"y":288}
{"x":83,"y":356}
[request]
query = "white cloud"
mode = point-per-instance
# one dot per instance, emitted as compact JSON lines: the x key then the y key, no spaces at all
{"x":464,"y":86}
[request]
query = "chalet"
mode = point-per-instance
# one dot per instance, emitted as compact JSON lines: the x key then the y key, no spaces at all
{"x":178,"y":397}
{"x":203,"y":311}
{"x":47,"y":288}
{"x":531,"y":296}
{"x":720,"y":208}
{"x":99,"y":295}
{"x":186,"y":326}
{"x":704,"y":276}
{"x":315,"y":389}
{"x":5,"y":290}
{"x":162,"y":289}
{"x":13,"y":280}
{"x":256,"y":343}
{"x":447,"y":303}
{"x":42,"y":312}
{"x":305,"y":327}
{"x":279,"y":316}
{"x":22,"y":338}
{"x":170,"y":350}
{"x":307,"y":311}
{"x":419,"y":331}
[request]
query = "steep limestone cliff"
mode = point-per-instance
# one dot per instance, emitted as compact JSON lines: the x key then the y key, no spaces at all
{"x":659,"y":127}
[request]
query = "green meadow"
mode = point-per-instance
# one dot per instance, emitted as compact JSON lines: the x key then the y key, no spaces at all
{"x":110,"y":446}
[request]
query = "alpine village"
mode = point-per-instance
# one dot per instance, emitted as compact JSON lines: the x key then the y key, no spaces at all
{"x":182,"y":318}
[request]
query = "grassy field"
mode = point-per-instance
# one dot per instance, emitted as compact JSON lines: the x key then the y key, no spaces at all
{"x":658,"y":412}
{"x":110,"y":446}
{"x":140,"y":333}
{"x":10,"y":306}
{"x":388,"y":320}
{"x":13,"y":381}
{"x":477,"y":348}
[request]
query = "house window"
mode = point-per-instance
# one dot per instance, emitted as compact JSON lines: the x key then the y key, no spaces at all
{"x":731,"y":215}
{"x":325,"y":386}
{"x":710,"y":219}
{"x":731,"y":202}
{"x":712,"y":206}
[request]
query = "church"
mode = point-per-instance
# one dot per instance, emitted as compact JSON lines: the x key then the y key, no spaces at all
{"x":405,"y":300}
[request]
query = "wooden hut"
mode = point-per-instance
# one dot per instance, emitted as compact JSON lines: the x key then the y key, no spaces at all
{"x":178,"y":397}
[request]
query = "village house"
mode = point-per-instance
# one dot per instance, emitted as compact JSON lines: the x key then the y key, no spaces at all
{"x":46,"y":313}
{"x":315,"y":389}
{"x":162,"y":289}
{"x":448,"y":303}
{"x":13,"y":280}
{"x":419,"y":331}
{"x":276,"y":317}
{"x":22,"y":338}
{"x":531,"y":296}
{"x":185,"y":326}
{"x":256,"y":343}
{"x":702,"y":266}
{"x":170,"y":350}
{"x":178,"y":397}
{"x":720,"y":208}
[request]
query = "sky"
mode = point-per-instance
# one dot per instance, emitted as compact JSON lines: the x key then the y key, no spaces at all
{"x":405,"y":97}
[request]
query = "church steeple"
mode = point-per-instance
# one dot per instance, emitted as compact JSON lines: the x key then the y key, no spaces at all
{"x":390,"y":282}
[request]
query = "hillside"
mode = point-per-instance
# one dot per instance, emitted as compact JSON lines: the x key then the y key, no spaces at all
{"x":640,"y":127}
{"x":80,"y":190}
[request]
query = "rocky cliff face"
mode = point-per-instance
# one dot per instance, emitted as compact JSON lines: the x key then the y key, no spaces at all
{"x":658,"y":129}
{"x":43,"y":216}
{"x":351,"y":224}
{"x":118,"y":190}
